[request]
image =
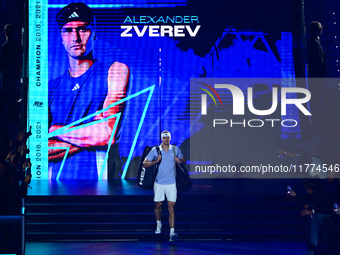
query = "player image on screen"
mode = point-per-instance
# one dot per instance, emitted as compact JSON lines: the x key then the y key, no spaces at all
{"x":85,"y":89}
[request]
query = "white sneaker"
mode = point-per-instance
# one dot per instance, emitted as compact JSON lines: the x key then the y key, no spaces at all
{"x":158,"y":229}
{"x":173,"y":237}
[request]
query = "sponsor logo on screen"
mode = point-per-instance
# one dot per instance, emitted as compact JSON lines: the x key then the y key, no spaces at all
{"x":38,"y":104}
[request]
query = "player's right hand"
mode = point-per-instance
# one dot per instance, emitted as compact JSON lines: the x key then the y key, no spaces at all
{"x":159,"y":157}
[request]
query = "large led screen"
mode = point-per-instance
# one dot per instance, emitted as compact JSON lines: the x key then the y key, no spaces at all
{"x":106,"y":77}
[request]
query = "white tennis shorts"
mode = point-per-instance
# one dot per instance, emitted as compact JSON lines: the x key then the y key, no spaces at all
{"x":170,"y":191}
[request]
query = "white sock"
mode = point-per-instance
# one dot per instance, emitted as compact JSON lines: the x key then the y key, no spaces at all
{"x":172,"y":230}
{"x":159,"y":222}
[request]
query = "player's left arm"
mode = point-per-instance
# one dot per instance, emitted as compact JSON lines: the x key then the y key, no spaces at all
{"x":99,"y":134}
{"x":179,"y":156}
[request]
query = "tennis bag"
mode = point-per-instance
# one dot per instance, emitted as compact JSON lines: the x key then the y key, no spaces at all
{"x":146,"y":176}
{"x":183,"y":181}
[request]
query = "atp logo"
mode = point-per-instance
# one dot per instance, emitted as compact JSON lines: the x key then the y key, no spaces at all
{"x":38,"y":104}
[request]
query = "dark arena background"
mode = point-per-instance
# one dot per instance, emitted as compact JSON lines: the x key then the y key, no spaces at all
{"x":167,"y":65}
